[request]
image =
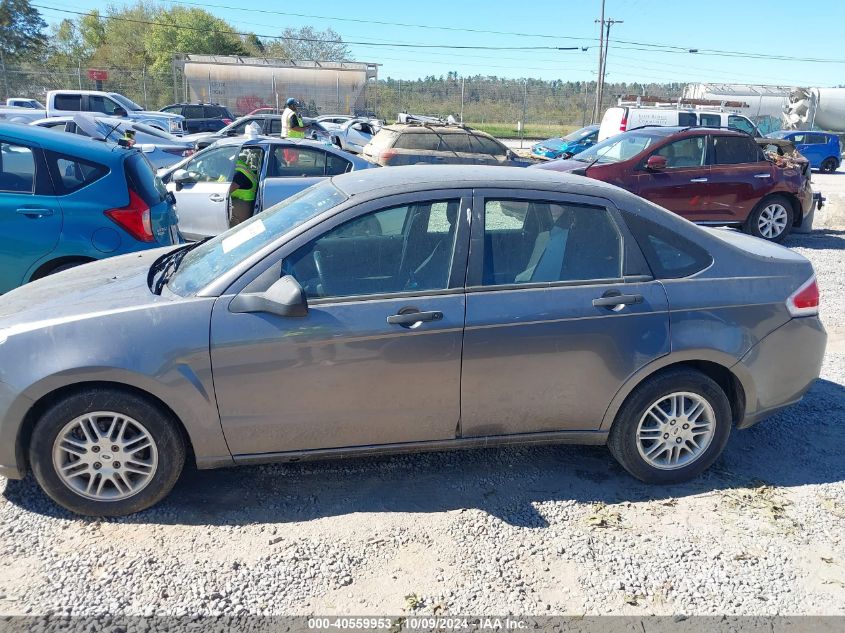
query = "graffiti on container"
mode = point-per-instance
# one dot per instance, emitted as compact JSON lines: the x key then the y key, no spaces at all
{"x":249,"y":103}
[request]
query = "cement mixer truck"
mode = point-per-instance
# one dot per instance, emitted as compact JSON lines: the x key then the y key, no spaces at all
{"x":816,"y":108}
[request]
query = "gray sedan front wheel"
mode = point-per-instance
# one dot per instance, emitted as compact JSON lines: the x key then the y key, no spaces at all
{"x":104,"y":452}
{"x":672,"y":427}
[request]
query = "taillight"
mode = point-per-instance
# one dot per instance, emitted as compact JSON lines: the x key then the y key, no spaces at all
{"x":805,"y":300}
{"x":623,"y":124}
{"x":227,"y":121}
{"x":134,"y":218}
{"x":388,"y":155}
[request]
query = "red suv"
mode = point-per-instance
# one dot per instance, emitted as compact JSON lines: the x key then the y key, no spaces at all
{"x":707,"y":175}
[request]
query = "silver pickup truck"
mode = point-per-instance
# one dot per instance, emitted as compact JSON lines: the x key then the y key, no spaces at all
{"x":17,"y":114}
{"x":284,"y":166}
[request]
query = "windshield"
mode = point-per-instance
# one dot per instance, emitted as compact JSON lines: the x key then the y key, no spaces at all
{"x":125,"y":102}
{"x":577,"y":135}
{"x":617,"y":148}
{"x":208,"y":261}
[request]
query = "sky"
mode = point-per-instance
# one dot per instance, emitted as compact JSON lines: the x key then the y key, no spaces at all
{"x":740,"y":27}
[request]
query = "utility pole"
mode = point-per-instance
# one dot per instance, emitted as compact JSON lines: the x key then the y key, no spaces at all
{"x":601,"y":64}
{"x":600,"y":89}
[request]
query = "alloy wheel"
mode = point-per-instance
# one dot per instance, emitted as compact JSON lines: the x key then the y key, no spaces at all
{"x":772,"y":220}
{"x":676,"y":430}
{"x":105,"y":456}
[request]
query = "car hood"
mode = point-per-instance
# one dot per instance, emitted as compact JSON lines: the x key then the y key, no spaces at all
{"x":555,"y":144}
{"x":563,"y":165}
{"x":198,"y":136}
{"x":110,"y":285}
{"x":155,"y":114}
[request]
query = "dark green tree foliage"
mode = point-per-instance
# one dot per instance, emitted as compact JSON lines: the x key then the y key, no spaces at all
{"x":21,"y":30}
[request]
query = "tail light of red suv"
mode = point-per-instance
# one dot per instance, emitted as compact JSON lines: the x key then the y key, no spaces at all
{"x":134,"y":218}
{"x":805,"y":300}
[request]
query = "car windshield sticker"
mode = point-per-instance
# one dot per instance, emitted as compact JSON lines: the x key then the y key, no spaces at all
{"x":243,"y":236}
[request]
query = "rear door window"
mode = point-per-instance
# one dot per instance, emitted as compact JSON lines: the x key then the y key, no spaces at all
{"x":71,"y":103}
{"x":17,"y":169}
{"x":335,"y":165}
{"x":532,"y":241}
{"x":215,"y":112}
{"x":177,"y":109}
{"x":193,"y":112}
{"x":420,"y":140}
{"x":457,"y":142}
{"x":296,"y":162}
{"x":72,"y":174}
{"x":816,"y":139}
{"x":734,"y":150}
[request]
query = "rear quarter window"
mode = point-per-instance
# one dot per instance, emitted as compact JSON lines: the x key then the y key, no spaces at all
{"x":143,"y":180}
{"x":669,"y":255}
{"x":71,"y":174}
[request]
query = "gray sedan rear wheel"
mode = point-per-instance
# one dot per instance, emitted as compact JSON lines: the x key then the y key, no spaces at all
{"x":104,"y":452}
{"x":672,"y":427}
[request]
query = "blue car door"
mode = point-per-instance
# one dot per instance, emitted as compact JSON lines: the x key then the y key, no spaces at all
{"x":807,"y":150}
{"x":30,"y":216}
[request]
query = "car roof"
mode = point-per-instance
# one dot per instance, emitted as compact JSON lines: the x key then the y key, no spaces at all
{"x":424,"y":177}
{"x":690,"y":130}
{"x":81,"y":146}
{"x":447,"y":129}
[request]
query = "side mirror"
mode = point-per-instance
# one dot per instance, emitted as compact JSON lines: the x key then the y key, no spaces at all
{"x":656,"y":163}
{"x":118,"y":111}
{"x":183,"y":176}
{"x":284,"y":298}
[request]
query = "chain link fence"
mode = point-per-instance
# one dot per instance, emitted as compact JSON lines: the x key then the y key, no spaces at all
{"x":506,"y":108}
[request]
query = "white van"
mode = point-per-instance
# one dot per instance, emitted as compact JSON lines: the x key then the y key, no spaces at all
{"x":627,"y":117}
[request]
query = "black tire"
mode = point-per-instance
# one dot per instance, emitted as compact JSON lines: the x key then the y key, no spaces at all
{"x":752,"y":224}
{"x":167,"y":439}
{"x":829,"y":165}
{"x":623,"y":434}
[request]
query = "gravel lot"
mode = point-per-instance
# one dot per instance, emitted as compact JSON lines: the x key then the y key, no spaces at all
{"x":528,"y":530}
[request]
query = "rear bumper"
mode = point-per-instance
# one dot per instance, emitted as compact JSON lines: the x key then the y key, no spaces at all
{"x":782,"y":367}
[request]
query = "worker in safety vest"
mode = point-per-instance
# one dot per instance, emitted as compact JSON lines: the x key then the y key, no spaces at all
{"x":292,"y":125}
{"x":243,"y":191}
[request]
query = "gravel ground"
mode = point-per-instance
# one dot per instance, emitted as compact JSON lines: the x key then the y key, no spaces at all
{"x":548,"y":530}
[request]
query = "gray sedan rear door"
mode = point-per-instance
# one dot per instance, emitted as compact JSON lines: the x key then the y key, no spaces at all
{"x":561,"y":311}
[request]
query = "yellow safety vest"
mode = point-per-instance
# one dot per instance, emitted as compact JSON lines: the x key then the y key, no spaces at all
{"x":295,"y":133}
{"x":246,"y":194}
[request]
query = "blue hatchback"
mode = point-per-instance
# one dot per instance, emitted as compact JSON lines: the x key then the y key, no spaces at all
{"x":567,"y":146}
{"x":822,"y":149}
{"x":66,"y":200}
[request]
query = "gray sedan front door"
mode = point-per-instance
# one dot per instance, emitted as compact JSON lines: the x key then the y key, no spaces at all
{"x":560,"y":313}
{"x":377,"y":359}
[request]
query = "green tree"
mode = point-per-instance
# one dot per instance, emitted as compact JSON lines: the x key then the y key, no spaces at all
{"x":307,"y":43}
{"x":190,"y":30}
{"x":21,"y":29}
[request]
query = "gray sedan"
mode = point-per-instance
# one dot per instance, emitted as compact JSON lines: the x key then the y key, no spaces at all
{"x":405,"y":309}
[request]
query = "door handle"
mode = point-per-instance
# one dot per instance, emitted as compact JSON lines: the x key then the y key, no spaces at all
{"x":763,"y":176}
{"x":616,"y":301}
{"x":699,"y":180}
{"x":216,"y":197}
{"x":409,"y":318}
{"x":34,"y":212}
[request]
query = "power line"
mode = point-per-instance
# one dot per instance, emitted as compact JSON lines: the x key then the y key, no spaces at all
{"x":316,"y":39}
